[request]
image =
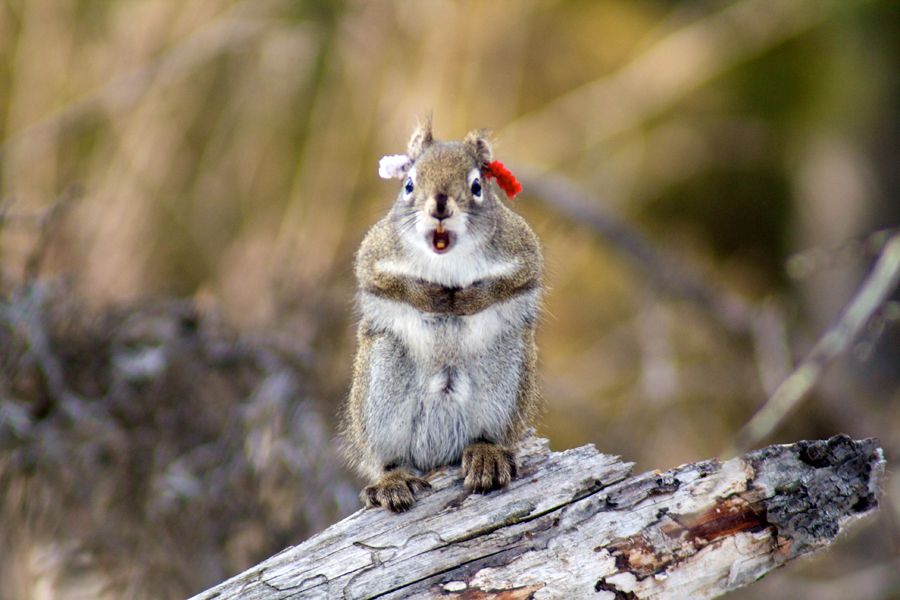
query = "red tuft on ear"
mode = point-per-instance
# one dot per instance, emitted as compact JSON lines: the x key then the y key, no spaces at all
{"x":506,"y":180}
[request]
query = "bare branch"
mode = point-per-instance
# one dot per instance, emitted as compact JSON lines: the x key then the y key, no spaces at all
{"x":25,"y":312}
{"x":873,"y":293}
{"x":664,"y":272}
{"x":802,"y":264}
{"x":577,"y":525}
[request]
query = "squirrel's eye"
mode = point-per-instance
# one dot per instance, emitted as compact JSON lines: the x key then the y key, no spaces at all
{"x":476,"y":188}
{"x":409,"y":186}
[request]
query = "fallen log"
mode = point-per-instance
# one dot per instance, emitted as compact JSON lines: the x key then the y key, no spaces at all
{"x":577,"y":524}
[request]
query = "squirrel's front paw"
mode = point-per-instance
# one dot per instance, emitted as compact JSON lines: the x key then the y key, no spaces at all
{"x":487,"y":467}
{"x":396,"y":491}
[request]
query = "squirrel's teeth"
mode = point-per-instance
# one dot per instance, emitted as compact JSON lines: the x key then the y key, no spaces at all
{"x":440,"y":238}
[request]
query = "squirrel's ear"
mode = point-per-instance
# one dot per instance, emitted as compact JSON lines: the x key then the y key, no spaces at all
{"x":479,"y":144}
{"x":421,"y":138}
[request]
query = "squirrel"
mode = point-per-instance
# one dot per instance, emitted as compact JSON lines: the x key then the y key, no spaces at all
{"x":450,"y":284}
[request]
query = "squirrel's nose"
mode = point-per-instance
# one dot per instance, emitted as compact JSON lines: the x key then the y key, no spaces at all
{"x":440,"y":207}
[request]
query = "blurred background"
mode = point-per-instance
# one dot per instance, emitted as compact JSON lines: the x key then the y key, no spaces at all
{"x":183,"y":186}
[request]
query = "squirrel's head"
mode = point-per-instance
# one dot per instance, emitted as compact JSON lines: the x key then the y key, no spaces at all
{"x":444,"y":204}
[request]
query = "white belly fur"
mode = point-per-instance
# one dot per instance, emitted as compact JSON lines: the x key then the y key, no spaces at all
{"x":435,"y":422}
{"x":457,"y":269}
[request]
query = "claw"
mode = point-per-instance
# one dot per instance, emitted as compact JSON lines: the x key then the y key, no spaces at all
{"x":487,"y":467}
{"x":395,"y":491}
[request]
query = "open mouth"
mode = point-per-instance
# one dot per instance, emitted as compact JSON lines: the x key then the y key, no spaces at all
{"x":441,"y":239}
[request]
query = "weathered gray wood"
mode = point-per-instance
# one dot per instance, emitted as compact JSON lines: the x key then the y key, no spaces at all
{"x":575,"y":524}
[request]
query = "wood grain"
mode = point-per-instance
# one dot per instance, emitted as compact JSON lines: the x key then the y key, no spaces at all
{"x":577,"y":524}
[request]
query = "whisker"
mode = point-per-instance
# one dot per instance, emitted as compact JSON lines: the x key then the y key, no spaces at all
{"x":406,"y":224}
{"x":407,"y":228}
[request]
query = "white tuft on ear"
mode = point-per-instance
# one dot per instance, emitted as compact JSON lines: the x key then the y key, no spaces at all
{"x":394,"y":166}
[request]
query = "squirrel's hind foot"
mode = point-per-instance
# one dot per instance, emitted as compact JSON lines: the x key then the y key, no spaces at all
{"x":487,"y":467}
{"x":395,"y":491}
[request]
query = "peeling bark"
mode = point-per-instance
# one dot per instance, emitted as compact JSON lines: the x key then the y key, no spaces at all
{"x":578,"y":524}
